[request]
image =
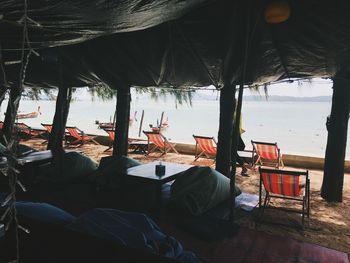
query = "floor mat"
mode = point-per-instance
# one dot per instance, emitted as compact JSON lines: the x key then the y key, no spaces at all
{"x":247,"y":202}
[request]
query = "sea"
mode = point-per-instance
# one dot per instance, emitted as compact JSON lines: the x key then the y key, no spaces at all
{"x":298,"y":126}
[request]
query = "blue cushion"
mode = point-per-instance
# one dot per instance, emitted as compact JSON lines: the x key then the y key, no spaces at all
{"x":44,"y":212}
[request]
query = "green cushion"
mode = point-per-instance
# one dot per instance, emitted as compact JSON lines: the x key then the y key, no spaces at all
{"x":72,"y":168}
{"x":108,"y":174}
{"x":199,"y":189}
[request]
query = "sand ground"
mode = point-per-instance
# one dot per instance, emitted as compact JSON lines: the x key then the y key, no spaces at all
{"x":328,"y":224}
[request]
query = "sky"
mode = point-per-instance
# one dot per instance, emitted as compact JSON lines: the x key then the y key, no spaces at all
{"x":317,"y":87}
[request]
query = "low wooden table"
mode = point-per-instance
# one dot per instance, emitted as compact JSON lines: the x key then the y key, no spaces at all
{"x":147,"y":173}
{"x":139,"y":146}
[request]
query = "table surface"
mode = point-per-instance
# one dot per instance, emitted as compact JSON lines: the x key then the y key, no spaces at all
{"x":245,"y":154}
{"x":148,"y":171}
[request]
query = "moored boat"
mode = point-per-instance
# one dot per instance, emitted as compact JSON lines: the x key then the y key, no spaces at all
{"x":33,"y":114}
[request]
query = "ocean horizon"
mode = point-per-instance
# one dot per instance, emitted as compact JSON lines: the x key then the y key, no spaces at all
{"x":296,"y":124}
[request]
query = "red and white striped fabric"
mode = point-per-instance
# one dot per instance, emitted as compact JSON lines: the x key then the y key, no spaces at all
{"x":73,"y":132}
{"x":47,"y":127}
{"x":157,"y":139}
{"x":111,"y":134}
{"x":207,"y":145}
{"x":269,"y":152}
{"x":281,"y":184}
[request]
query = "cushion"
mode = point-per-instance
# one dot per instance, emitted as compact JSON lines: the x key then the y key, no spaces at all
{"x":43,"y":212}
{"x":199,"y":189}
{"x":74,"y":167}
{"x":108,"y":174}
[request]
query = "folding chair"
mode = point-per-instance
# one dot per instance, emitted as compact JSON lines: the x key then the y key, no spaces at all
{"x":207,"y":147}
{"x":79,"y":136}
{"x":27,"y":131}
{"x":111,"y":135}
{"x":159,"y":143}
{"x":268,"y":154}
{"x":285,"y":184}
{"x":48,"y":127}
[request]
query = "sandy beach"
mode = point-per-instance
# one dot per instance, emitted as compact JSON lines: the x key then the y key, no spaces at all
{"x":329,"y":222}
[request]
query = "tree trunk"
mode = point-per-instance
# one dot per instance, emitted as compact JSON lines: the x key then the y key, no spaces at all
{"x":120,"y":144}
{"x":11,"y":112}
{"x":227,"y":106}
{"x":60,"y":119}
{"x":337,"y":125}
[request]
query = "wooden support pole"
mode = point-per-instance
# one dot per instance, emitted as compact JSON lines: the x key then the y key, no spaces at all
{"x":337,"y":125}
{"x":141,"y":122}
{"x":227,"y":106}
{"x":60,"y":119}
{"x":120,"y":144}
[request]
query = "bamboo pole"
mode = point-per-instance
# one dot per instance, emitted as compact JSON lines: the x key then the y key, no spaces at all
{"x":161,"y":121}
{"x":141,"y":122}
{"x":114,"y":119}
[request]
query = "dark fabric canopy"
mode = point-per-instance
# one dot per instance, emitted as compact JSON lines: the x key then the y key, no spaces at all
{"x":182,"y":43}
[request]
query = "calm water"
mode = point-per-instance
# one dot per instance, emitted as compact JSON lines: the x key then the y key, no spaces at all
{"x":298,"y":127}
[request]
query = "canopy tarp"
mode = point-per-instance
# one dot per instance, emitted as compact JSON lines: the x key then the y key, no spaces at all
{"x":173,"y":43}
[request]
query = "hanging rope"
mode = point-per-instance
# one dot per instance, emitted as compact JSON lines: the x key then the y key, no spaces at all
{"x":9,"y":217}
{"x":247,"y":42}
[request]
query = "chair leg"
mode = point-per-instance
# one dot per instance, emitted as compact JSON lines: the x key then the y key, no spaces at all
{"x":95,"y":142}
{"x":152,"y":150}
{"x":265,"y":205}
{"x":282,"y":164}
{"x":172,"y":147}
{"x":303,"y":212}
{"x":110,"y":147}
{"x":308,"y":199}
{"x":198,"y":156}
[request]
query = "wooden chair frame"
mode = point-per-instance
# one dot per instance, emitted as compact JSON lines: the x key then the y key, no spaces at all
{"x":83,"y":138}
{"x":305,"y":199}
{"x":203,"y":153}
{"x":29,"y":131}
{"x":266,"y":162}
{"x":152,"y":146}
{"x":110,"y":132}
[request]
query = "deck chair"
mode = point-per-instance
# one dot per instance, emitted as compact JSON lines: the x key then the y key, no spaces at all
{"x":267,"y":154}
{"x":79,"y":136}
{"x":111,"y":135}
{"x":28,"y":131}
{"x":288,"y":185}
{"x":156,"y":141}
{"x":206,"y":145}
{"x":48,"y":128}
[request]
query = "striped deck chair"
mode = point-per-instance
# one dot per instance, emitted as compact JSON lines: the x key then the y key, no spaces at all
{"x":111,"y":135}
{"x":79,"y":136}
{"x":156,"y":141}
{"x":207,"y":147}
{"x":285,"y":184}
{"x":27,"y":131}
{"x":268,"y":154}
{"x":48,"y":128}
